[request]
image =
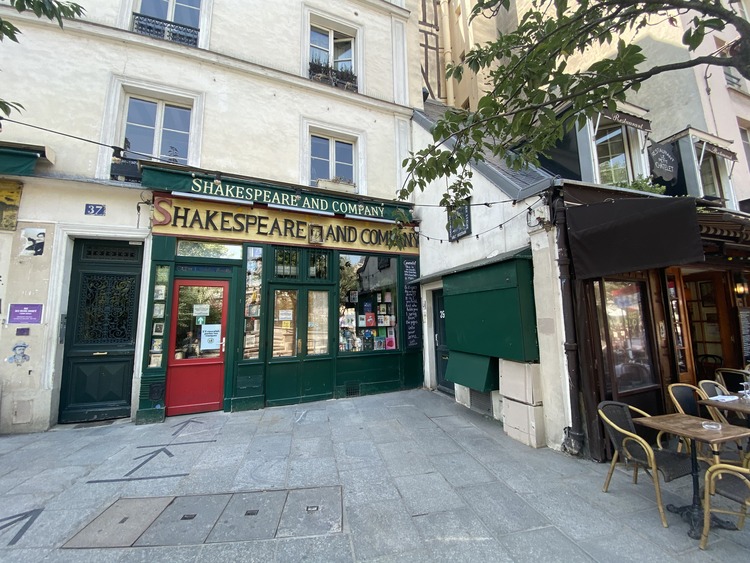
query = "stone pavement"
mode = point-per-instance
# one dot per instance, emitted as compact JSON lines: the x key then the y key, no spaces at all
{"x":409,"y":476}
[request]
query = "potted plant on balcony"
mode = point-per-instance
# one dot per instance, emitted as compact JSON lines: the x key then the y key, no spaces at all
{"x":339,"y":78}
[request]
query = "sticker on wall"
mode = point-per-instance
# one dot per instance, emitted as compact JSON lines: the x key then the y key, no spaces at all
{"x":19,"y":354}
{"x":32,"y":241}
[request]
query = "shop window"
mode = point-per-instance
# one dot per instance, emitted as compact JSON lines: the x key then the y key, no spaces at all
{"x":612,"y":154}
{"x":368,"y":305}
{"x":158,"y":331}
{"x":201,"y":249}
{"x":318,"y":264}
{"x":331,"y":57}
{"x":625,"y":340}
{"x":286,"y":262}
{"x":333,"y":160}
{"x":174,"y":20}
{"x":153,"y":130}
{"x":253,"y":278}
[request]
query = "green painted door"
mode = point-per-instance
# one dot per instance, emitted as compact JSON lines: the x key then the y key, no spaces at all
{"x":100,"y":334}
{"x":301,"y":365}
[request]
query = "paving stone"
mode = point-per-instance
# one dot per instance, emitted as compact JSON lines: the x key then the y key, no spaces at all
{"x":312,"y":472}
{"x":247,"y":552}
{"x":548,"y":545}
{"x":405,"y":458}
{"x":249,"y":516}
{"x":427,"y":493}
{"x":382,"y":530}
{"x":461,"y":470}
{"x":187,"y":521}
{"x":501,"y":509}
{"x":356,"y":454}
{"x":121,"y":524}
{"x":368,"y":485}
{"x":322,"y":549}
{"x":308,"y":512}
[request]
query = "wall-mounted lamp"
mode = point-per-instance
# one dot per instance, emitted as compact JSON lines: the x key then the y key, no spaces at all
{"x":741,"y":287}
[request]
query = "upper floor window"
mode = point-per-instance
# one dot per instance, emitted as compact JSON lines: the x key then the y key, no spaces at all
{"x":174,"y":20}
{"x":332,"y":54}
{"x":711,"y":177}
{"x":745,"y":135}
{"x":612,"y":154}
{"x":152,"y":129}
{"x":332,"y":159}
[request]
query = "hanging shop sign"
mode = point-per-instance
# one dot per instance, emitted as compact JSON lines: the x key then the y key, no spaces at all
{"x":246,"y":191}
{"x":208,"y":220}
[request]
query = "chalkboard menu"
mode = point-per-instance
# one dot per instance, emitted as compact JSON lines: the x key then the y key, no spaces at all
{"x":745,"y":331}
{"x":413,"y":319}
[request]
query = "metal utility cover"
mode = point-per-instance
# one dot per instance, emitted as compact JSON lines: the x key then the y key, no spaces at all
{"x":121,"y":524}
{"x":249,"y":516}
{"x":311,"y":512}
{"x":187,"y":521}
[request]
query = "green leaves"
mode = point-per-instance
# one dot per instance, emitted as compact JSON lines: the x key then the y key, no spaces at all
{"x":540,"y":87}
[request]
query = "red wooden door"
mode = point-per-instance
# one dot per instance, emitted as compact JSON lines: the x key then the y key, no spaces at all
{"x":195,"y":368}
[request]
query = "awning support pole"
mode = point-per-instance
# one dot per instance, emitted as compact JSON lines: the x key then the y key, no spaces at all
{"x":574,"y":436}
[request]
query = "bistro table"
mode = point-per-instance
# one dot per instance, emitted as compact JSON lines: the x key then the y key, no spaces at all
{"x":738,"y":405}
{"x":691,"y":427}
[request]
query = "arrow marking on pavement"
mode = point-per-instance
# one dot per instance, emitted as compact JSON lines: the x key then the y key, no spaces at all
{"x":148,"y":457}
{"x":184,"y":425}
{"x":30,"y":516}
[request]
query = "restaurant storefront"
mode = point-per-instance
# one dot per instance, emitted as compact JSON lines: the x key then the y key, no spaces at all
{"x":668,"y":306}
{"x":266,"y":294}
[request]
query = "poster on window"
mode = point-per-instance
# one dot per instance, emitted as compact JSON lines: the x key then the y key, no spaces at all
{"x":210,"y":337}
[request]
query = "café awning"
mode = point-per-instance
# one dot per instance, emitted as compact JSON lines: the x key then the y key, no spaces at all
{"x":626,"y":235}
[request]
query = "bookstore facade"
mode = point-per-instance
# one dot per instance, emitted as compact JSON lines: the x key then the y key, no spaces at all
{"x":265,"y":294}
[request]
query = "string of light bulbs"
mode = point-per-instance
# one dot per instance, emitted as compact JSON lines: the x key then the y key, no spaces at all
{"x":117,"y":152}
{"x":486,"y":231}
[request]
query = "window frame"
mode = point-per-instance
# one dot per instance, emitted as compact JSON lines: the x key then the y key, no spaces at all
{"x":159,"y":127}
{"x":113,"y":122}
{"x":332,"y":24}
{"x":129,"y":7}
{"x":745,"y":138}
{"x":605,"y":125}
{"x":356,"y":138}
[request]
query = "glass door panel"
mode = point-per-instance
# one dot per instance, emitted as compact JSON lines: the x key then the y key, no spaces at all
{"x":199,"y":330}
{"x":625,"y":317}
{"x":285,"y":323}
{"x":317,"y":322}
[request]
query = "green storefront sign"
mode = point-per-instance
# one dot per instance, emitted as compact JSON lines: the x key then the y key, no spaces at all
{"x":255,"y":191}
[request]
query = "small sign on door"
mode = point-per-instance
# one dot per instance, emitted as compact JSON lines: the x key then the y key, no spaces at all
{"x":210,"y":337}
{"x":200,"y":310}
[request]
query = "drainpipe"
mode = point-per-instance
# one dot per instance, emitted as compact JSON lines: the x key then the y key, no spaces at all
{"x":573,"y":441}
{"x":445,"y":28}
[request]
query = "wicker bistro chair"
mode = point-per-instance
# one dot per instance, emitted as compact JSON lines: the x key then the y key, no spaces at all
{"x":732,"y":379}
{"x":629,"y":446}
{"x":685,"y":398}
{"x":728,"y":481}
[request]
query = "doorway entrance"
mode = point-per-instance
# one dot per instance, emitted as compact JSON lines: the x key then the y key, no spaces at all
{"x":301,"y":366}
{"x":100,"y":333}
{"x":441,"y":347}
{"x":196,"y":364}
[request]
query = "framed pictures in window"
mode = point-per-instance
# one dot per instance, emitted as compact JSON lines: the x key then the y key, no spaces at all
{"x":158,"y":329}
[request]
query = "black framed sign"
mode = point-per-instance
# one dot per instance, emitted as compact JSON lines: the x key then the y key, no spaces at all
{"x":459,"y":221}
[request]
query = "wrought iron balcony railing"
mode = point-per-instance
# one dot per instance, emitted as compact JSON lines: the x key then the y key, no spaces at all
{"x":163,"y":29}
